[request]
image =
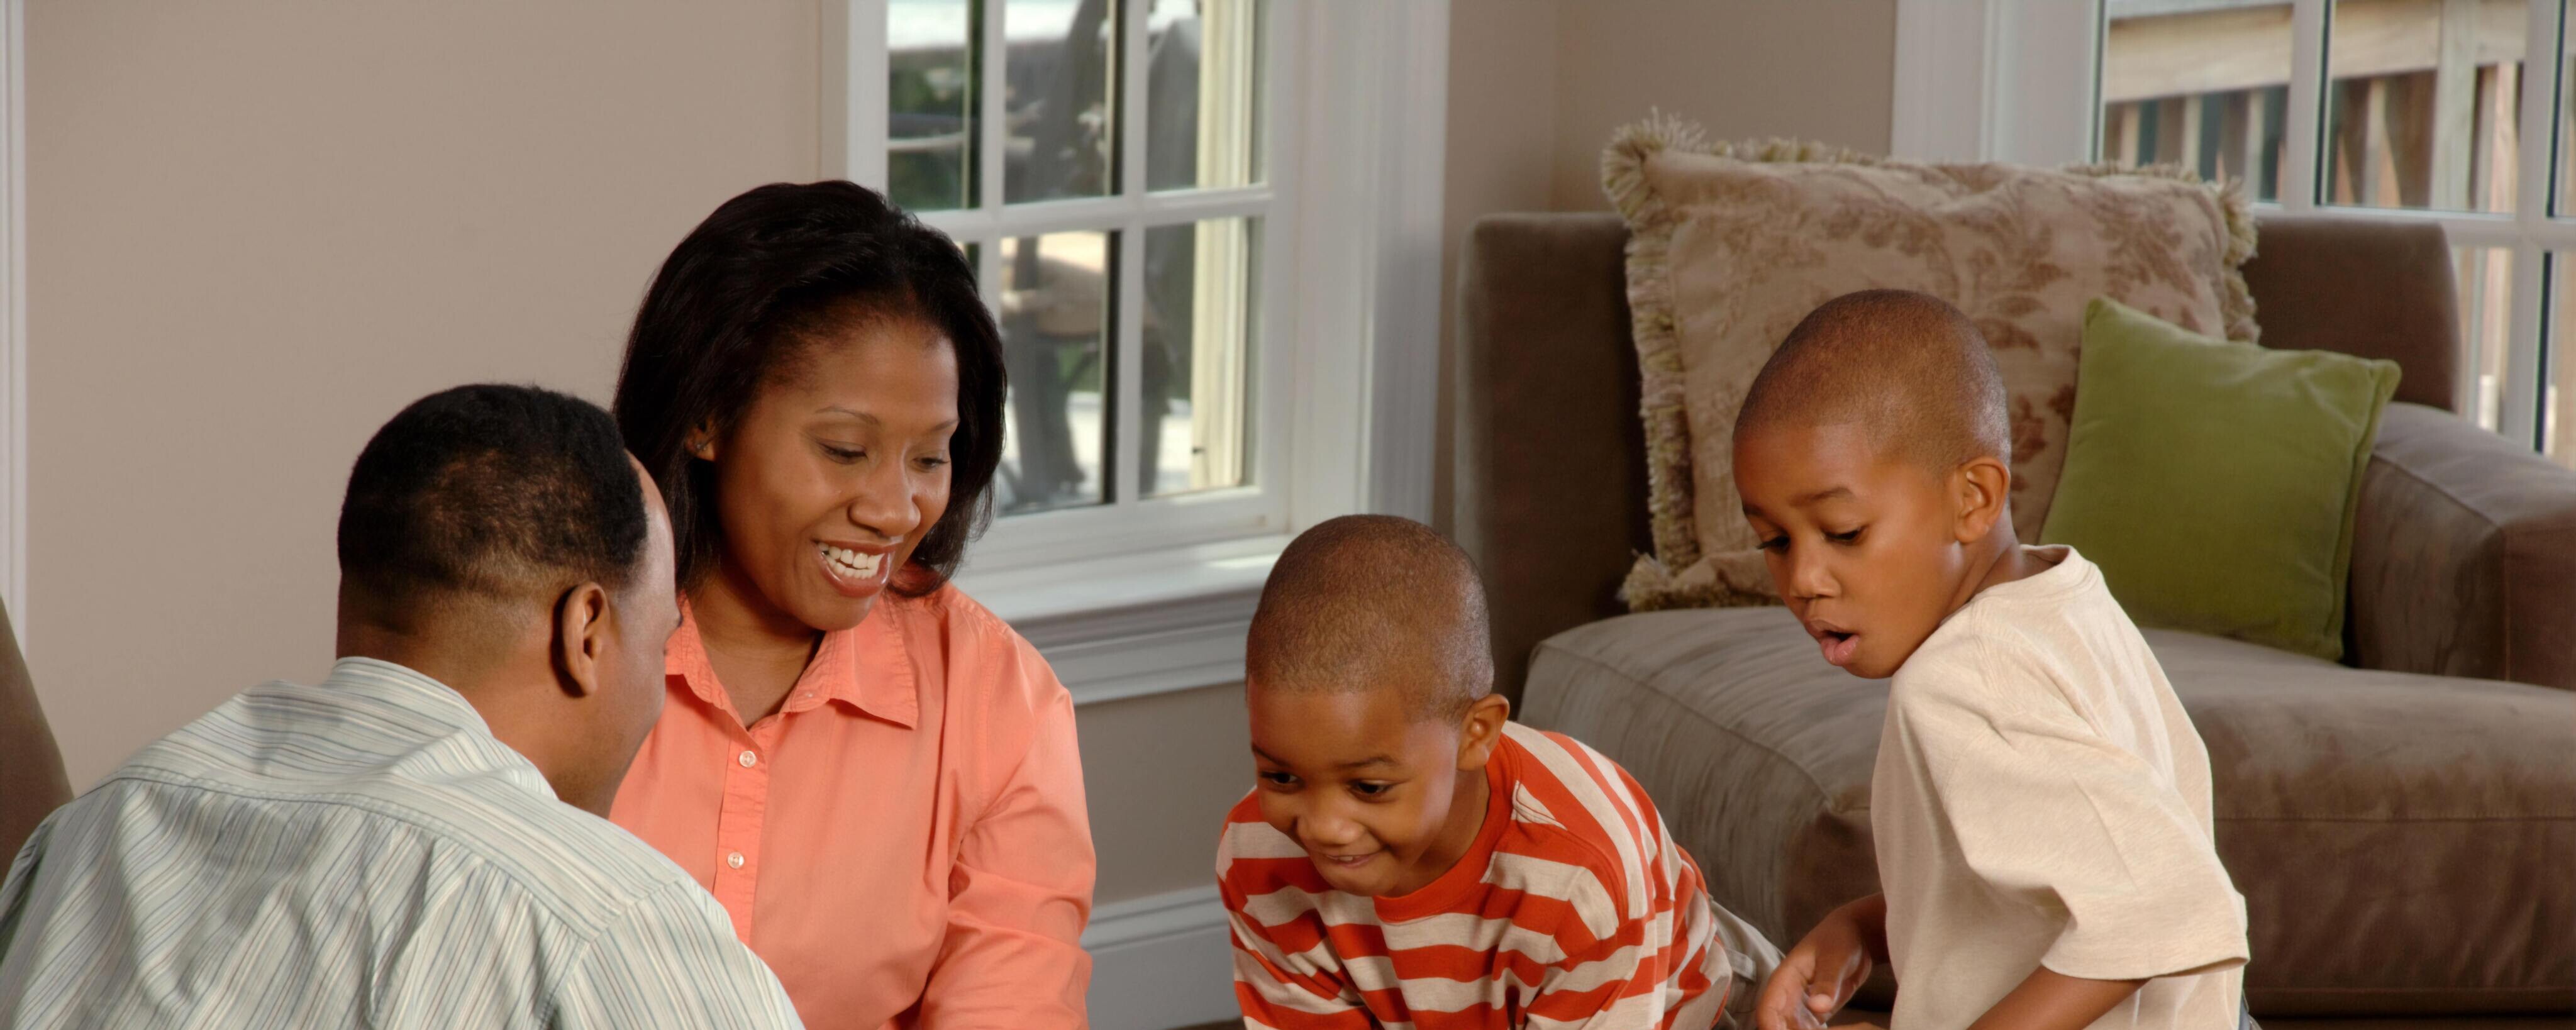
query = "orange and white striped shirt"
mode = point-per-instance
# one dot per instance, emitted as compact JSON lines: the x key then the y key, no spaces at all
{"x":1573,"y":909}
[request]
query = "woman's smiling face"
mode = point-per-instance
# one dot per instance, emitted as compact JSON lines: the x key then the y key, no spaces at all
{"x":837,"y":469}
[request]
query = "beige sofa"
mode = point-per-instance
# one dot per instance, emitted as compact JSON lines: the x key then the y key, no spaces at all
{"x":2404,"y":831}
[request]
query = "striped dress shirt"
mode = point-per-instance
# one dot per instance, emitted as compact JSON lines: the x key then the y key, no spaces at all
{"x":359,"y":853}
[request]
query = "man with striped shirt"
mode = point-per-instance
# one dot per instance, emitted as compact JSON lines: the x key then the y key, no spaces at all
{"x":1411,"y":859}
{"x":417,"y":841}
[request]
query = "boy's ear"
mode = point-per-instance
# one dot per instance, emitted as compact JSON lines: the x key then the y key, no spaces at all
{"x":1983,"y":489}
{"x":1481,"y":729}
{"x":581,"y":637}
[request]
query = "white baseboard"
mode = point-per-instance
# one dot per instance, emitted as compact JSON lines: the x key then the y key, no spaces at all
{"x":1160,"y":962}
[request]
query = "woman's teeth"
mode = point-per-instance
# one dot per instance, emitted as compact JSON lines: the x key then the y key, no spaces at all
{"x":851,"y":564}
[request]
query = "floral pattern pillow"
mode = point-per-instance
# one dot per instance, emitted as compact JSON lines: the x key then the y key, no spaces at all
{"x":1731,"y":244}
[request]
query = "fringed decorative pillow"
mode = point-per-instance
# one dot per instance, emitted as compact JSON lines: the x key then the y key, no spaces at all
{"x":1731,"y":244}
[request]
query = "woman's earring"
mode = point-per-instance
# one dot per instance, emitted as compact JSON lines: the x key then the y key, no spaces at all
{"x":699,"y":448}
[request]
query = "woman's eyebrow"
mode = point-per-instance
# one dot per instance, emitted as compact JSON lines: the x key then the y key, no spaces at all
{"x":835,"y":409}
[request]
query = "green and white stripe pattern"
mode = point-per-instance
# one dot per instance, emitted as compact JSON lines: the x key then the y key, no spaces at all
{"x":359,"y":853}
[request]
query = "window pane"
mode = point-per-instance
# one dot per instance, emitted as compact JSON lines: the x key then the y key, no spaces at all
{"x":2557,"y":421}
{"x":2485,"y":276}
{"x":1202,"y":73}
{"x":2422,"y":103}
{"x":2558,"y":365}
{"x":1199,"y":311}
{"x":1062,"y":98}
{"x":2206,"y":89}
{"x":930,"y":116}
{"x":1054,"y":311}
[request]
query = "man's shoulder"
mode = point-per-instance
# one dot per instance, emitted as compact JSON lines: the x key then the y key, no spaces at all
{"x":418,"y":907}
{"x":453,"y":809}
{"x":578,"y":867}
{"x":475,"y":823}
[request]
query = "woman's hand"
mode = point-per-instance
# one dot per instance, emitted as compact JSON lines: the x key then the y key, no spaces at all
{"x":1818,"y":976}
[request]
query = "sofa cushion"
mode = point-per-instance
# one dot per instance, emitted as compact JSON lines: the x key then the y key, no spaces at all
{"x":2403,"y":842}
{"x":1732,"y":244}
{"x":2215,"y":482}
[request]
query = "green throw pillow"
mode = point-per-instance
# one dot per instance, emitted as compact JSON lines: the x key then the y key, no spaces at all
{"x":2214,"y":482}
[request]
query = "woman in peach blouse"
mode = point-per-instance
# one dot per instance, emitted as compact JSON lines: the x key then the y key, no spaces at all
{"x":875,"y":776}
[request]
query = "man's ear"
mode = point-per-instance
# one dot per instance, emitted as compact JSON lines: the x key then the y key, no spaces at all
{"x":581,"y":637}
{"x":1481,"y":729}
{"x":1983,"y":488}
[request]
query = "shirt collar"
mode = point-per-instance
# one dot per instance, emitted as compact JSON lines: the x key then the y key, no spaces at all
{"x":866,"y":668}
{"x":388,"y":687}
{"x":406,"y":688}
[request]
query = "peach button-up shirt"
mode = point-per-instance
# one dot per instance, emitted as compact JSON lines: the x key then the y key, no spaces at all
{"x":904,"y":841}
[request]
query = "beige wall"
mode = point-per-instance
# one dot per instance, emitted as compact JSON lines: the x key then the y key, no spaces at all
{"x":1161,"y":772}
{"x":1815,"y":69}
{"x":258,"y":227}
{"x":1537,"y":86}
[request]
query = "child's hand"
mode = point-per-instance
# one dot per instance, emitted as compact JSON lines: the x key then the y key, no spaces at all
{"x":1818,"y":976}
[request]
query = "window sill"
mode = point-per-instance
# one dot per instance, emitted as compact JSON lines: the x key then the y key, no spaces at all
{"x":1136,"y":625}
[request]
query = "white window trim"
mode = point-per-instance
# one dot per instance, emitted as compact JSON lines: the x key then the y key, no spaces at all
{"x":2014,"y":80}
{"x":1124,"y":607}
{"x":1994,"y":80}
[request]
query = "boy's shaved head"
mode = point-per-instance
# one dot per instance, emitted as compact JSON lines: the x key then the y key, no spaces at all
{"x":1374,"y":602}
{"x":1907,"y":365}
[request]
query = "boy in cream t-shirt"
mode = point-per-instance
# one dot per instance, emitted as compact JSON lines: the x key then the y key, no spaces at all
{"x":2041,"y":803}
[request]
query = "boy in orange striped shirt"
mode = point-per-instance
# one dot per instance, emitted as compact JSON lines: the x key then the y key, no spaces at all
{"x":1410,"y":857}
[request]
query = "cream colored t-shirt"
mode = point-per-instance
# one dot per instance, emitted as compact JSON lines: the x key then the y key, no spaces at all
{"x":2041,"y":799}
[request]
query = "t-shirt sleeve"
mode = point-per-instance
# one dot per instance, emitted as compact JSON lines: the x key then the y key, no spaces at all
{"x":1278,"y":991}
{"x":2047,"y":810}
{"x":1613,"y":975}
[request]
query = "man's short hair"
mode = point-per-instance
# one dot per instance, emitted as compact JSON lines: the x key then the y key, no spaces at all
{"x":1369,"y":602}
{"x":1908,"y":365}
{"x":497,"y":492}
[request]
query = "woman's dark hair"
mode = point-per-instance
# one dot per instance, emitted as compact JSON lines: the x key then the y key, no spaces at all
{"x":770,"y":274}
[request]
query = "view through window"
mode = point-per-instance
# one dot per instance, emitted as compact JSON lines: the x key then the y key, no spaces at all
{"x":1102,"y":162}
{"x":2421,"y":115}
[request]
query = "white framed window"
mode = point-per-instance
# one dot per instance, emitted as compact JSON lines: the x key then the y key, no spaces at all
{"x":1102,"y":162}
{"x":2447,"y":110}
{"x":1209,"y":231}
{"x":2452,"y":111}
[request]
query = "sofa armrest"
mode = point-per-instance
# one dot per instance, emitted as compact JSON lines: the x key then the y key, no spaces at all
{"x":1550,"y":453}
{"x":31,"y":770}
{"x":2464,"y":555}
